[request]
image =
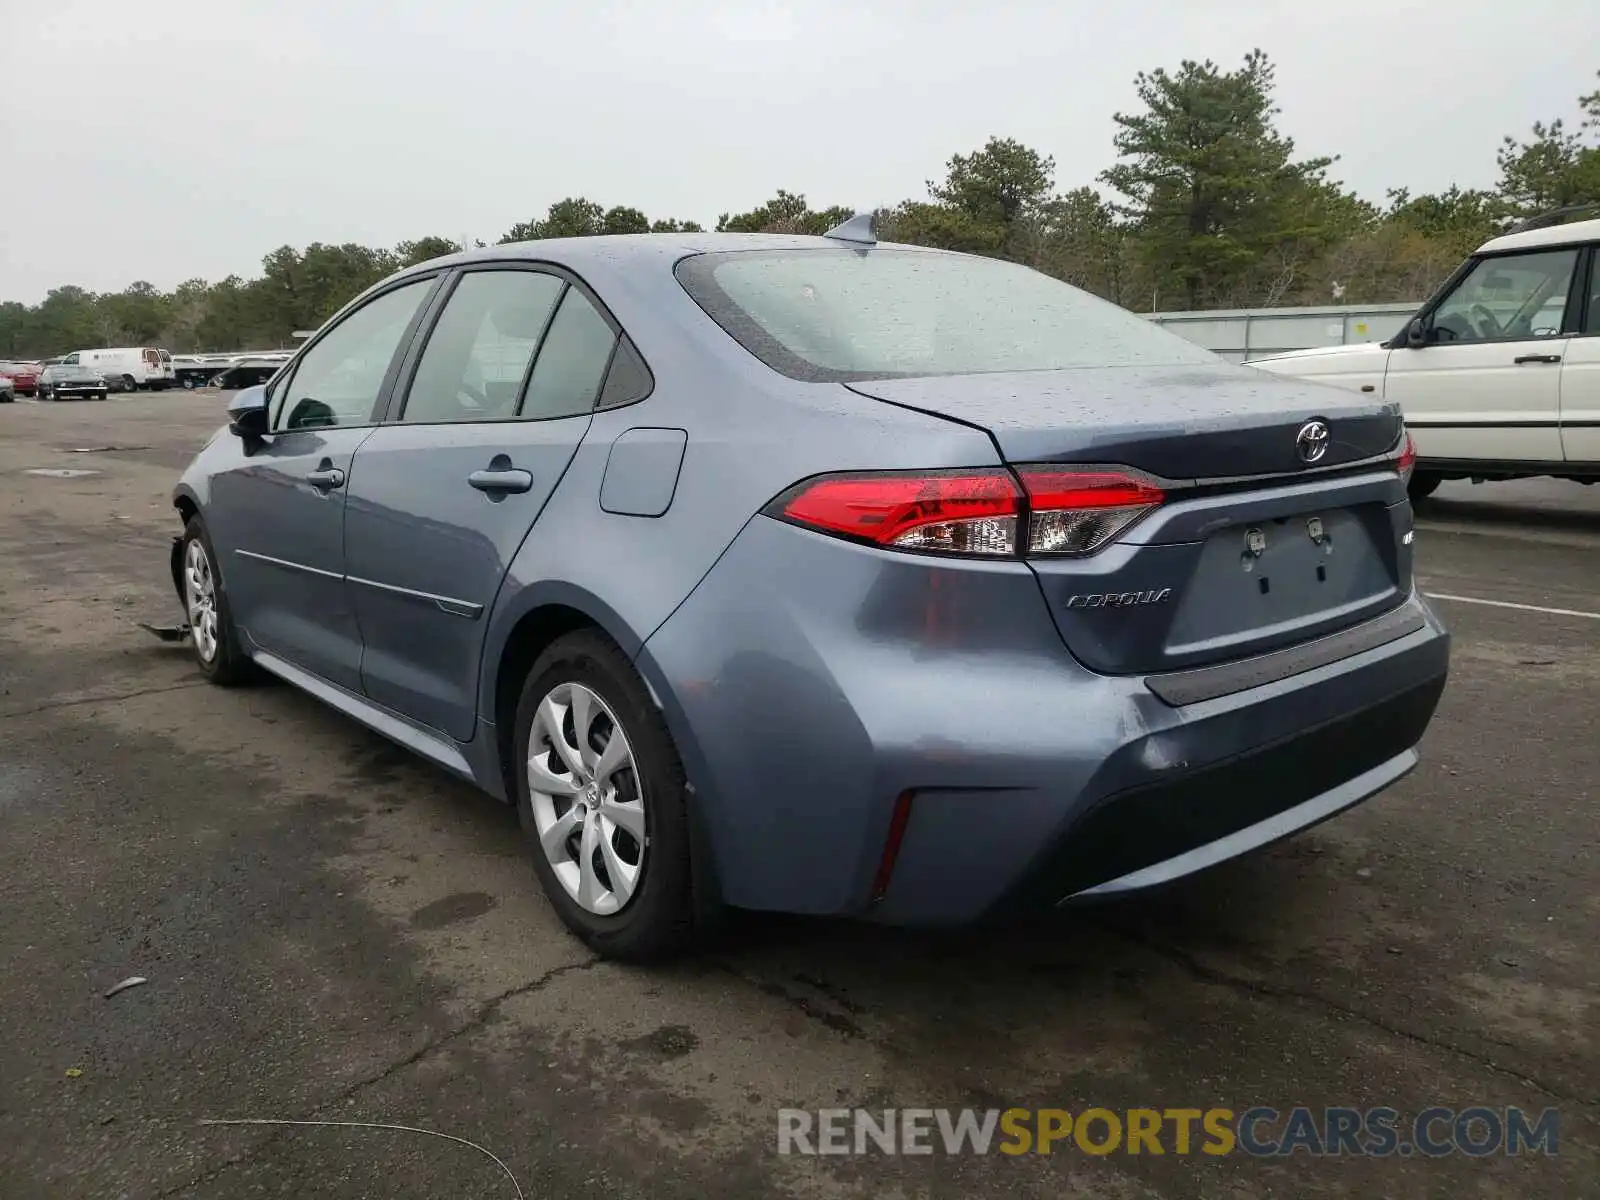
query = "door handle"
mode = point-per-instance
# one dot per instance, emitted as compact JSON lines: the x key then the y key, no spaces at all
{"x":501,"y":482}
{"x":1536,"y":358}
{"x":325,"y":479}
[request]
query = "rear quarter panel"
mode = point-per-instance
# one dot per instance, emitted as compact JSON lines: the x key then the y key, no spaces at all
{"x":751,"y":434}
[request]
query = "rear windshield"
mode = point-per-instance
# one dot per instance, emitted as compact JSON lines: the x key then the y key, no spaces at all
{"x":852,"y":314}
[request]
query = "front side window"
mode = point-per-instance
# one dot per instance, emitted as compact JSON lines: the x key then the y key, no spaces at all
{"x":848,"y":314}
{"x":1509,"y":296}
{"x":338,"y":380}
{"x":572,"y":361}
{"x":478,"y":353}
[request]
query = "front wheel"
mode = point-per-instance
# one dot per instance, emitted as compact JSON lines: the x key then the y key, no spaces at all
{"x":601,"y":795}
{"x":211,"y":631}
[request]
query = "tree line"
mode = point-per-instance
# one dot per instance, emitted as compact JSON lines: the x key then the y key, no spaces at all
{"x":1208,"y":205}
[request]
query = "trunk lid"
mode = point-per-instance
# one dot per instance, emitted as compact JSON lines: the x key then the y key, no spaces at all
{"x":1178,"y":422}
{"x":1253,"y":548}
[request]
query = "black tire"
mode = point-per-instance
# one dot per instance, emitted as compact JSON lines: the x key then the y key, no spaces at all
{"x":1422,"y":485}
{"x":660,"y":918}
{"x":102,"y":395}
{"x":227,"y":666}
{"x":130,"y":384}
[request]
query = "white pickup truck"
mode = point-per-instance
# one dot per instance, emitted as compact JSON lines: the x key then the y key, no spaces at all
{"x":1498,"y":375}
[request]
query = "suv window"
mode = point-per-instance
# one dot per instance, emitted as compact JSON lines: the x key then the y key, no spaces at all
{"x":572,"y":361}
{"x":338,"y":380}
{"x":1591,"y":321}
{"x":1509,"y":296}
{"x":479,"y":351}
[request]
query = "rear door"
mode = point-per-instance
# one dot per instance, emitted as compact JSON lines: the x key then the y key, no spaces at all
{"x":443,"y":494}
{"x":277,"y":518}
{"x":1580,"y":379}
{"x":1487,"y":385}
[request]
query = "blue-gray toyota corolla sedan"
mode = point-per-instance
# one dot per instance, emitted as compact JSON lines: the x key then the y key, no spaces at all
{"x":820,"y":575}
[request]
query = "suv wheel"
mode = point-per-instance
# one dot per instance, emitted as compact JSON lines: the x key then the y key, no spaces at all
{"x":601,"y":794}
{"x":1422,"y":485}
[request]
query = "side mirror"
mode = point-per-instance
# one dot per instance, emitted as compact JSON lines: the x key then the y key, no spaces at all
{"x":247,"y":413}
{"x":1416,"y":333}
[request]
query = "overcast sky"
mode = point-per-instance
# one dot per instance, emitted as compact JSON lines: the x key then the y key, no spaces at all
{"x":168,"y":139}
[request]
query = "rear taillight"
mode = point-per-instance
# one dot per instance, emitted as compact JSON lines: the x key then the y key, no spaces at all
{"x":954,"y":512}
{"x":1407,"y":462}
{"x":989,"y":512}
{"x":1077,"y":512}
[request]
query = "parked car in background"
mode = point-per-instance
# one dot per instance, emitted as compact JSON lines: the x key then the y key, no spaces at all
{"x":1499,"y":373}
{"x":818,"y":575}
{"x":199,"y":370}
{"x":128,"y":369}
{"x":65,"y":381}
{"x":248,"y":371}
{"x":24,"y":376}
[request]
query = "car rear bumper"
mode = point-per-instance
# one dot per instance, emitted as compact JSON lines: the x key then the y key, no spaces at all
{"x":812,"y":684}
{"x":1167,"y":828}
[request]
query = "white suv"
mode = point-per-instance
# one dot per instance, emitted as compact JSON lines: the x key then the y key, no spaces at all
{"x":1498,"y":375}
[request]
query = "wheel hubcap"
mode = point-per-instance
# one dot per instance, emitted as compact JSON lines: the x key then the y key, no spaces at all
{"x":200,"y":598}
{"x":588,"y":809}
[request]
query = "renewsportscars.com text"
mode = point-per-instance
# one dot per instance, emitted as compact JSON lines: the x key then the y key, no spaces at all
{"x":1476,"y":1131}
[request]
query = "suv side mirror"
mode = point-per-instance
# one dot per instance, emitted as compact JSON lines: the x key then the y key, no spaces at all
{"x":247,"y":413}
{"x":1416,"y":333}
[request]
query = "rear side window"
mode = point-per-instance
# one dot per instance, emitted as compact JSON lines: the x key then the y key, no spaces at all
{"x":479,"y":351}
{"x":850,"y":314}
{"x":572,"y":361}
{"x":628,"y":379}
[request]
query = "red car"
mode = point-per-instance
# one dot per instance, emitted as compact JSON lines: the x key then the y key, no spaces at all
{"x":24,"y":375}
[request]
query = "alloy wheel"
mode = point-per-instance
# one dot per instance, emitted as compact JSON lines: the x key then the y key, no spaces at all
{"x":588,"y":810}
{"x":200,"y":598}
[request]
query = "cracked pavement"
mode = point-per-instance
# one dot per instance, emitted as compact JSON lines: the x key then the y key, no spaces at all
{"x":334,"y":931}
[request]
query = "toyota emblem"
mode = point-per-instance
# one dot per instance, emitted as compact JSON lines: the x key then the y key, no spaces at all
{"x":1311,"y":443}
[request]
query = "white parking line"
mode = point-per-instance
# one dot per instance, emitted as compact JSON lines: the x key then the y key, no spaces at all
{"x":1538,"y":608}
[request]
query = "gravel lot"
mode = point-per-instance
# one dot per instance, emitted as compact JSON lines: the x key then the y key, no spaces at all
{"x":333,"y":930}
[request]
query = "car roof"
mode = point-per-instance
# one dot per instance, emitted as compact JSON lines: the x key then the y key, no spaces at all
{"x":634,"y":249}
{"x":1551,"y":235}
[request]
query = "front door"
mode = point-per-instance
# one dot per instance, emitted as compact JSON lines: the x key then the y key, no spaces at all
{"x":277,"y":520}
{"x":443,"y":495}
{"x":1487,"y":385}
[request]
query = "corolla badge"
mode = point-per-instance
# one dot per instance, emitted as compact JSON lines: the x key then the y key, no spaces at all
{"x":1119,"y":599}
{"x":1311,"y":443}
